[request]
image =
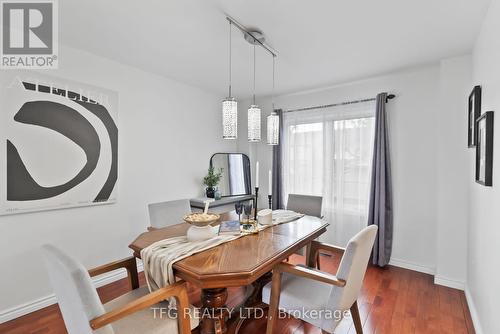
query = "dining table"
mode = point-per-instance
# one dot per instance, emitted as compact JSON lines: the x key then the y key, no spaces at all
{"x":246,"y":261}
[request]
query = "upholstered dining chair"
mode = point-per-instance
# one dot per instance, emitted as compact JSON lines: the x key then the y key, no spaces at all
{"x":168,"y":213}
{"x":133,"y":312}
{"x":298,"y":290}
{"x":308,"y":205}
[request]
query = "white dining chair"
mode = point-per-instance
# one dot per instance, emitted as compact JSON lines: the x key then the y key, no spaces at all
{"x":306,"y":204}
{"x":131,"y":313}
{"x":298,"y":290}
{"x":168,"y":213}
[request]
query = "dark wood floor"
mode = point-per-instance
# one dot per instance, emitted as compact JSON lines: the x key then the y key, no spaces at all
{"x":392,"y":300}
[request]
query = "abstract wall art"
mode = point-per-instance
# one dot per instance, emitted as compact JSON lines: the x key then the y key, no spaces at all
{"x":58,"y":144}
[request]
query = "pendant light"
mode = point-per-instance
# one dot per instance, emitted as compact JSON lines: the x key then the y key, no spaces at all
{"x":229,"y":106}
{"x":254,"y":113}
{"x":273,"y":120}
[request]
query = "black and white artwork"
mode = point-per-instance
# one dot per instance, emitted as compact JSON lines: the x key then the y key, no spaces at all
{"x":59,"y":144}
{"x":484,"y":149}
{"x":474,"y":111}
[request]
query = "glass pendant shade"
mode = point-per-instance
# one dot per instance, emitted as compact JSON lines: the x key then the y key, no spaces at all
{"x":273,"y":129}
{"x":229,"y":118}
{"x":254,"y":123}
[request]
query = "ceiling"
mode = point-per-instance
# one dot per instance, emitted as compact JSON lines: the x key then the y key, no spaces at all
{"x":319,"y":43}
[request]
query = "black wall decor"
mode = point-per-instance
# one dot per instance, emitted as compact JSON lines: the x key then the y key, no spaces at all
{"x":474,"y":112}
{"x":484,"y":149}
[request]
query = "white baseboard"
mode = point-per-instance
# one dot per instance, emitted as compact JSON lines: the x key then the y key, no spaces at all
{"x":412,"y":266}
{"x":451,"y":283}
{"x":473,"y":311}
{"x":38,"y":304}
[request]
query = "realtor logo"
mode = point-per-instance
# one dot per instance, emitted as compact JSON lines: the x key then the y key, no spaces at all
{"x":29,"y":34}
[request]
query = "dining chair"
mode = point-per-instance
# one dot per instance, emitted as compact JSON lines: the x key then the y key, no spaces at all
{"x":134,"y":312}
{"x":303,"y":291}
{"x":306,"y":204}
{"x":168,"y":213}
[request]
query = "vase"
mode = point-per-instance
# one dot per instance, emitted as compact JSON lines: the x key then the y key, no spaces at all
{"x":210,"y":192}
{"x":218,"y":194}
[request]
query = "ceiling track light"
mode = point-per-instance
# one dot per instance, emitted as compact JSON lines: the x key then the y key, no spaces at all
{"x":254,"y":112}
{"x":230,"y":106}
{"x":273,"y":120}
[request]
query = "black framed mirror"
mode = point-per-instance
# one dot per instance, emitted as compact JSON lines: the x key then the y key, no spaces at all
{"x":235,"y":180}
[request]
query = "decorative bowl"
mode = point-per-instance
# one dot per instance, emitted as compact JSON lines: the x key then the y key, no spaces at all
{"x":201,"y":219}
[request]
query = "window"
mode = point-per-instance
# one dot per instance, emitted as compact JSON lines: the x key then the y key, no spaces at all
{"x":329,"y":153}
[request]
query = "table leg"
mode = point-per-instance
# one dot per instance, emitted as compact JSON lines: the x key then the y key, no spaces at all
{"x":214,"y":311}
{"x":251,"y":304}
{"x":255,"y":297}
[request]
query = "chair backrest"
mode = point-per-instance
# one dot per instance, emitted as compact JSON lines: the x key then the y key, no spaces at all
{"x":75,"y":292}
{"x":168,"y":213}
{"x":352,"y":268}
{"x":308,"y":205}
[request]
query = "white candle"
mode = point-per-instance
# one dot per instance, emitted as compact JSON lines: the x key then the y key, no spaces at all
{"x":207,"y":203}
{"x":257,"y":174}
{"x":270,"y":182}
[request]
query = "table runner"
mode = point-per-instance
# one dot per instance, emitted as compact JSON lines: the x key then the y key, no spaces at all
{"x":159,"y":258}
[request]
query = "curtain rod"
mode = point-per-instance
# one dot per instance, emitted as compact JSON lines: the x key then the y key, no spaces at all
{"x":389,"y":97}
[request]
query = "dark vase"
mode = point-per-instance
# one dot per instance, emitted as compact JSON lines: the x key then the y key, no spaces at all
{"x":210,"y":192}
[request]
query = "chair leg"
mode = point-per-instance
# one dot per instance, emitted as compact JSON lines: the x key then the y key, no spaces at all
{"x":356,"y":319}
{"x":317,"y":261}
{"x":274,"y":302}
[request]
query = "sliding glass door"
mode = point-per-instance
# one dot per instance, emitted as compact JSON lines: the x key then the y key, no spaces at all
{"x":328,"y":153}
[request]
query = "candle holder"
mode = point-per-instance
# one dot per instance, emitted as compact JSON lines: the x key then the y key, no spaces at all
{"x":255,"y":205}
{"x":270,"y":198}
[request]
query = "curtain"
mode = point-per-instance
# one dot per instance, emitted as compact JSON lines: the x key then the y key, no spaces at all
{"x":380,"y":210}
{"x":328,"y":152}
{"x":277,"y":167}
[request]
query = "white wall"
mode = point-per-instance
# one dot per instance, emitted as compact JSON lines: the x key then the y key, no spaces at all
{"x":453,"y":172}
{"x":167,"y":133}
{"x":484,"y":221}
{"x":414,"y":131}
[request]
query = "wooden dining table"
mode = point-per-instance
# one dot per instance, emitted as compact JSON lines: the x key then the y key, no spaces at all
{"x":246,"y":261}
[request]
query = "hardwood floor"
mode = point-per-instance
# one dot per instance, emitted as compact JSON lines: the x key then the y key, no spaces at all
{"x":392,"y":300}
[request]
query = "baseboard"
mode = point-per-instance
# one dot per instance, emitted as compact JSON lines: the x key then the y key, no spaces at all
{"x":38,"y":304}
{"x":473,"y":311}
{"x":451,"y":283}
{"x":411,"y":266}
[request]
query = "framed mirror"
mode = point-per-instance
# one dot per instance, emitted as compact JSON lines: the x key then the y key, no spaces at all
{"x":235,"y":178}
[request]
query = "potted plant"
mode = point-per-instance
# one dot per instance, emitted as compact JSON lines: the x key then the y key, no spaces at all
{"x":211,"y":181}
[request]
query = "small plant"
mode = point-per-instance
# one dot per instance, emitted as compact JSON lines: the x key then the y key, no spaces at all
{"x":212,"y":179}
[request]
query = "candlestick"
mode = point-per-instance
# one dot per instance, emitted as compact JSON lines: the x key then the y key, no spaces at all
{"x":255,"y":205}
{"x":270,"y":198}
{"x":257,"y":174}
{"x":270,"y":182}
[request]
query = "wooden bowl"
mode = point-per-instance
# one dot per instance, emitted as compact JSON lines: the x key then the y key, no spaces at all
{"x":201,"y":219}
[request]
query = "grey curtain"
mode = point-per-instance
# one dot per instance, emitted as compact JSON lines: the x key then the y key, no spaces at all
{"x":277,"y":167}
{"x":380,"y":209}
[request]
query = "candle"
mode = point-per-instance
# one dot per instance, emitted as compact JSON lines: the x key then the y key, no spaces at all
{"x":207,"y":203}
{"x":270,"y":182}
{"x":257,"y":175}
